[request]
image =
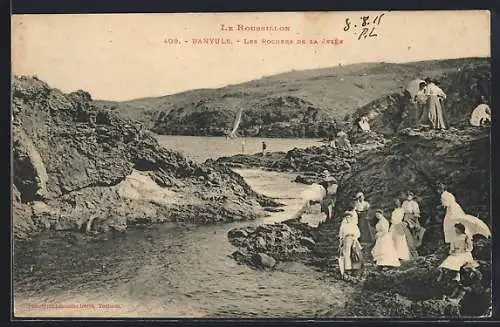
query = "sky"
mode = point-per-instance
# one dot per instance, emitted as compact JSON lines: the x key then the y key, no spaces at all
{"x":127,"y":56}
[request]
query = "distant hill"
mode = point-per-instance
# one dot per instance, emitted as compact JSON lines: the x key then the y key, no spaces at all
{"x":309,"y":103}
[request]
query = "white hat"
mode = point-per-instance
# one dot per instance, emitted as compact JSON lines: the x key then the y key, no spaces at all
{"x":358,"y":195}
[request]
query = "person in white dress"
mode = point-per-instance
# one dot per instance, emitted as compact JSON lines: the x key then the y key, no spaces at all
{"x":398,"y":233}
{"x":348,"y":237}
{"x":460,"y":252}
{"x":384,"y":252}
{"x":364,"y":124}
{"x":455,"y":214}
{"x":481,"y":115}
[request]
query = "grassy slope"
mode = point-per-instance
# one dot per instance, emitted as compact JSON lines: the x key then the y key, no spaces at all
{"x":334,"y":92}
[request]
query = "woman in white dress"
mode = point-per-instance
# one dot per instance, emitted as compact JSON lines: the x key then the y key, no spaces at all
{"x":460,"y":252}
{"x":398,"y":233}
{"x":384,"y":252}
{"x":348,"y":236}
{"x":455,"y":214}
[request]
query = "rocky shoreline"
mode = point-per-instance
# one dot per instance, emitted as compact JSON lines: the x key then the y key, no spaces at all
{"x":412,"y":160}
{"x":79,"y":167}
{"x":391,"y":159}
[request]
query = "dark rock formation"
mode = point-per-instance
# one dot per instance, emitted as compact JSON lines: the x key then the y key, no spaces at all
{"x":309,"y":162}
{"x":393,"y":158}
{"x":80,"y":167}
{"x":264,"y":246}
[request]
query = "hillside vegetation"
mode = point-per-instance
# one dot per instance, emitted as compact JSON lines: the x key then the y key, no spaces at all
{"x":310,"y":103}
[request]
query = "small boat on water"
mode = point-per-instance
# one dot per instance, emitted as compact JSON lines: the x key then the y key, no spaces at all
{"x":236,"y":125}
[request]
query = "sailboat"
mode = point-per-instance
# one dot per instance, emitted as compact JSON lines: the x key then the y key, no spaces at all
{"x":236,"y":124}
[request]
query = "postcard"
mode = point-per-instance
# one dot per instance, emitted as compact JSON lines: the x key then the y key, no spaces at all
{"x":252,"y":165}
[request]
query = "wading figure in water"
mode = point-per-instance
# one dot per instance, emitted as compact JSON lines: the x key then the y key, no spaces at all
{"x":264,"y":148}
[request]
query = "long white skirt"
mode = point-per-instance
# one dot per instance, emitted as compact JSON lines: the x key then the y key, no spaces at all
{"x":400,"y":243}
{"x":456,"y":261}
{"x":384,"y":252}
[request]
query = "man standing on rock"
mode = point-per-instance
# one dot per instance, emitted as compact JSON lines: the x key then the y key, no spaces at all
{"x":264,"y":147}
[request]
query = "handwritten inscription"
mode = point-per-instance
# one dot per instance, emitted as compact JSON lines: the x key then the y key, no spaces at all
{"x":366,"y":28}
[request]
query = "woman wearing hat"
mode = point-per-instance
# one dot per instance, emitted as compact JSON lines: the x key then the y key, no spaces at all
{"x":361,"y":207}
{"x":411,"y":224}
{"x":460,"y":252}
{"x":349,"y":244}
{"x":398,"y":233}
{"x":384,"y":252}
{"x":434,"y":108}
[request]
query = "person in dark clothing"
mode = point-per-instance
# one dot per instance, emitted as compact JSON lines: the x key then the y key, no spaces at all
{"x":474,"y":299}
{"x":264,"y":148}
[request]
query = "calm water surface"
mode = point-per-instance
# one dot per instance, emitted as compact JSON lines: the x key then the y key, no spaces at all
{"x":201,"y":148}
{"x":167,"y":271}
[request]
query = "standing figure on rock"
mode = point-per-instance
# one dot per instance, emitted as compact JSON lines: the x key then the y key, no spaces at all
{"x":455,"y":214}
{"x":342,"y":141}
{"x":330,"y":185}
{"x":361,"y":207}
{"x":384,"y":252}
{"x":398,"y":232}
{"x":460,"y":252}
{"x":353,"y":212}
{"x":264,"y":147}
{"x":349,"y":245}
{"x":433,"y":112}
{"x":363,"y":124}
{"x":420,"y":101}
{"x":413,"y":230}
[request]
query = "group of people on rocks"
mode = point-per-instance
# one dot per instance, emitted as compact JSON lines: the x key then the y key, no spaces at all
{"x":429,"y":99}
{"x":398,"y":237}
{"x":430,"y":103}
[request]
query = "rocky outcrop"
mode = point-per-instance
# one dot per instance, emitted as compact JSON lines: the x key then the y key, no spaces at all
{"x":77,"y":166}
{"x":393,"y":158}
{"x":271,"y":116}
{"x":266,"y":245}
{"x":309,"y":162}
{"x":464,"y":87}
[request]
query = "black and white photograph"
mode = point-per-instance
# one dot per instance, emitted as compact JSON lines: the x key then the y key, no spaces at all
{"x":252,"y":165}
